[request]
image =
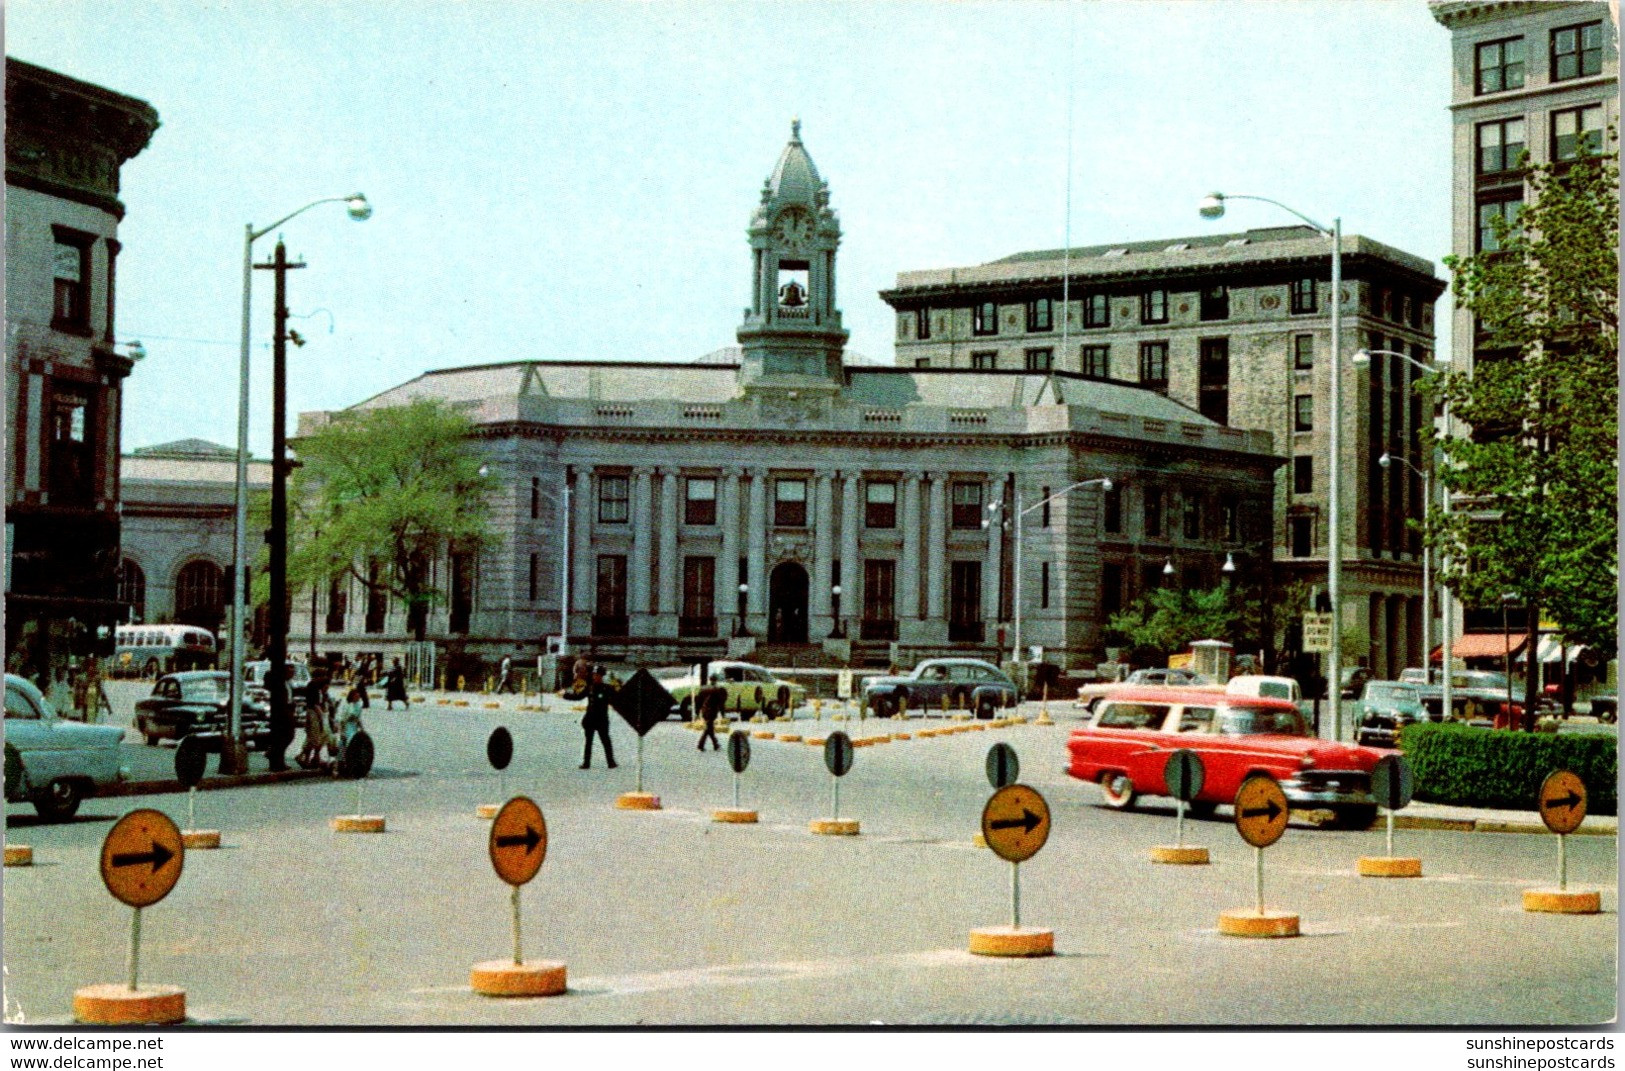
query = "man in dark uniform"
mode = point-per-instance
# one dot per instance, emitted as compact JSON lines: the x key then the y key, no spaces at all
{"x":710,"y":701}
{"x":596,"y":720}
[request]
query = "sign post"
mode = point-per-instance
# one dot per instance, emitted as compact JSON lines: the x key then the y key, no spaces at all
{"x":190,"y":760}
{"x":738,"y":759}
{"x":1562,"y":803}
{"x":1392,"y":785}
{"x":644,"y":703}
{"x":838,"y":760}
{"x":499,"y":752}
{"x":1185,"y":776}
{"x":517,"y":845}
{"x":1015,"y":825}
{"x":355,"y":761}
{"x":1261,"y":816}
{"x":141,"y":861}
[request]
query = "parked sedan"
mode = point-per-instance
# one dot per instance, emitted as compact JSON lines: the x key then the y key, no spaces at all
{"x":1386,"y":707}
{"x":51,"y":762}
{"x":750,"y":688}
{"x":1126,"y":748}
{"x":1091,"y":694}
{"x":964,"y":682}
{"x":197,"y":702}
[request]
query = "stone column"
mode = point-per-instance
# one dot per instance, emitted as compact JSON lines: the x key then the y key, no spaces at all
{"x":756,"y":550}
{"x":668,"y":608}
{"x":728,"y":567}
{"x":936,"y":555}
{"x":908,"y":576}
{"x":643,"y":545}
{"x":818,"y":601}
{"x":851,"y":597}
{"x":992,"y":570}
{"x":584,"y":585}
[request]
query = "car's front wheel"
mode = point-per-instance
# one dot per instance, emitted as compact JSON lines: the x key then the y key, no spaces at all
{"x":1118,"y":790}
{"x":60,"y":799}
{"x":1354,"y":816}
{"x":1201,"y":808}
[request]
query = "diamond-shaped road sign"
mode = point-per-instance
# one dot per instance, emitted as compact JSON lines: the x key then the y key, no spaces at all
{"x":643,"y":702}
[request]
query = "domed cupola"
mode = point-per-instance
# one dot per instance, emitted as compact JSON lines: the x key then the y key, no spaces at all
{"x":792,"y":335}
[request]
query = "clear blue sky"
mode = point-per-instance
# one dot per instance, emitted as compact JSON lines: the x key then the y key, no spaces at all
{"x":573,"y":180}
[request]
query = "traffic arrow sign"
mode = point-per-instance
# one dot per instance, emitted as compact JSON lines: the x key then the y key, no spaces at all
{"x":1261,"y":811}
{"x":142,"y":857}
{"x":518,"y":841}
{"x":1563,"y":801}
{"x":1015,"y":823}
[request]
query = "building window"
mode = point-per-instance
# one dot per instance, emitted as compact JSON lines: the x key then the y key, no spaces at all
{"x":1193,"y":516}
{"x":1111,"y":590}
{"x":1303,"y":352}
{"x":1575,"y":130}
{"x":1215,"y":303}
{"x":1040,"y":360}
{"x":1303,"y":475}
{"x":1500,"y":144}
{"x":699,"y":611}
{"x":967,"y":504}
{"x":880,"y":504}
{"x":71,"y":464}
{"x":1097,"y":311}
{"x":1576,"y":51}
{"x":1213,"y":380}
{"x":1303,"y":412}
{"x":132,"y":588}
{"x":70,"y":268}
{"x":922,"y":362}
{"x":200,"y":595}
{"x":790,"y":503}
{"x":1301,"y":530}
{"x":1097,"y":361}
{"x":922,"y":324}
{"x":462,"y":592}
{"x":609,"y":618}
{"x":1040,"y":314}
{"x":1154,"y":366}
{"x":879,"y":600}
{"x":1151,"y":577}
{"x":1111,"y":510}
{"x":1500,"y":65}
{"x":1043,"y":585}
{"x":985,"y":318}
{"x":965,"y":602}
{"x":1489,"y":240}
{"x":535,"y":497}
{"x":1043,"y":509}
{"x":1153,"y":512}
{"x":1230,"y":518}
{"x":985,"y":359}
{"x":535,"y":564}
{"x":1303,"y":296}
{"x":700,"y":500}
{"x":1154,"y":307}
{"x":614,"y":499}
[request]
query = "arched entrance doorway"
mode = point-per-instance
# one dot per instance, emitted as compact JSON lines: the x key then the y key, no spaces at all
{"x":787,"y":604}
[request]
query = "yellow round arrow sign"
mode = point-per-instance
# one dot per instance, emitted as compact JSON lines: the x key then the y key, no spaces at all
{"x":1261,"y":811}
{"x":1563,"y":802}
{"x":518,"y":841}
{"x":142,"y":857}
{"x":1015,"y":823}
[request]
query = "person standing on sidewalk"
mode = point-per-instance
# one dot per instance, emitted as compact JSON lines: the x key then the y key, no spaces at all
{"x":363,"y":677}
{"x":505,"y":676}
{"x":395,"y":687}
{"x":596,"y":720}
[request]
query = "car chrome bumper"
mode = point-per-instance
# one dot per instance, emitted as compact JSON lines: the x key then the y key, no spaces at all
{"x":1329,"y":788}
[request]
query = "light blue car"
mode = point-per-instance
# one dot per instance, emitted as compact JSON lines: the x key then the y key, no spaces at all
{"x":51,"y":762}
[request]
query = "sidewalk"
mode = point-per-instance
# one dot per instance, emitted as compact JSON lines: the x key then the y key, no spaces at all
{"x":1420,"y":815}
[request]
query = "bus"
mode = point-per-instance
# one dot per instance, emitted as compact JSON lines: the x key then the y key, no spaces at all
{"x":148,"y":650}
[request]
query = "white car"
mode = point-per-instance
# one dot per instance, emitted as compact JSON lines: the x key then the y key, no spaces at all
{"x":51,"y":762}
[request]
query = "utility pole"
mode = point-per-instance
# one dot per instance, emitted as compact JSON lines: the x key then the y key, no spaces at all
{"x":277,"y":535}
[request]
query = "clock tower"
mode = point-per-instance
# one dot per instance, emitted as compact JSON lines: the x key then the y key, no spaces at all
{"x":792,"y":335}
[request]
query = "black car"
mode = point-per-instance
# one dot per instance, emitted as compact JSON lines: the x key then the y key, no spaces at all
{"x":197,"y":702}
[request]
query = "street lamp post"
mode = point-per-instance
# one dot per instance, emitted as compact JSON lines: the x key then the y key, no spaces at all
{"x":836,"y":632}
{"x":1212,"y":207}
{"x":1385,"y":461}
{"x":739,"y":615}
{"x":233,"y":756}
{"x":1361,"y":359}
{"x":1021,"y":512}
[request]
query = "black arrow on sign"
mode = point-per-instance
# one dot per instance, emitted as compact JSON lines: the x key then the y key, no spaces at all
{"x":1028,"y":822}
{"x":1571,"y":800}
{"x":1270,"y":810}
{"x":157,"y":857}
{"x":530,"y":838}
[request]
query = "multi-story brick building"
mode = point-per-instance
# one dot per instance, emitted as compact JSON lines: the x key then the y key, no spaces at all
{"x":65,"y":143}
{"x":1238,"y":327}
{"x":792,"y":497}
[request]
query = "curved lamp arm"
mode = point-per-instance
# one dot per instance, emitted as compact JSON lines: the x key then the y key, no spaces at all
{"x":1212,"y":207}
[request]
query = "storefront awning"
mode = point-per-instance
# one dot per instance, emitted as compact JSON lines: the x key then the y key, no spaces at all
{"x":1482,"y":645}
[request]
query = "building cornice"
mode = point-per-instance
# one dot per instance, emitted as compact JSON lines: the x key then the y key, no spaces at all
{"x":68,"y":138}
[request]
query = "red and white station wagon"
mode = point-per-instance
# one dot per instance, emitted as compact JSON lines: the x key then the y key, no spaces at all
{"x":1126,"y":747}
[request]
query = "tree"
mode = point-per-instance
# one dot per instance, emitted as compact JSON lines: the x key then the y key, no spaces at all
{"x":1537,"y":465}
{"x":380,"y":494}
{"x":1168,"y":619}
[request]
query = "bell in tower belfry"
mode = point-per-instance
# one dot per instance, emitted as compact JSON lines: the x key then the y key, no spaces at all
{"x":792,"y":335}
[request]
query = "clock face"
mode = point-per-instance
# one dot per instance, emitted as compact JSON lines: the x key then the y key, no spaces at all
{"x":794,"y":229}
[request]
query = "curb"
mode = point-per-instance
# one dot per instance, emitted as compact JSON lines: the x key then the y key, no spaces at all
{"x":1488,"y":825}
{"x":269,"y":777}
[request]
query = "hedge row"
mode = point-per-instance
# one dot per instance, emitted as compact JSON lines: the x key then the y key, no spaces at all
{"x":1495,"y":768}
